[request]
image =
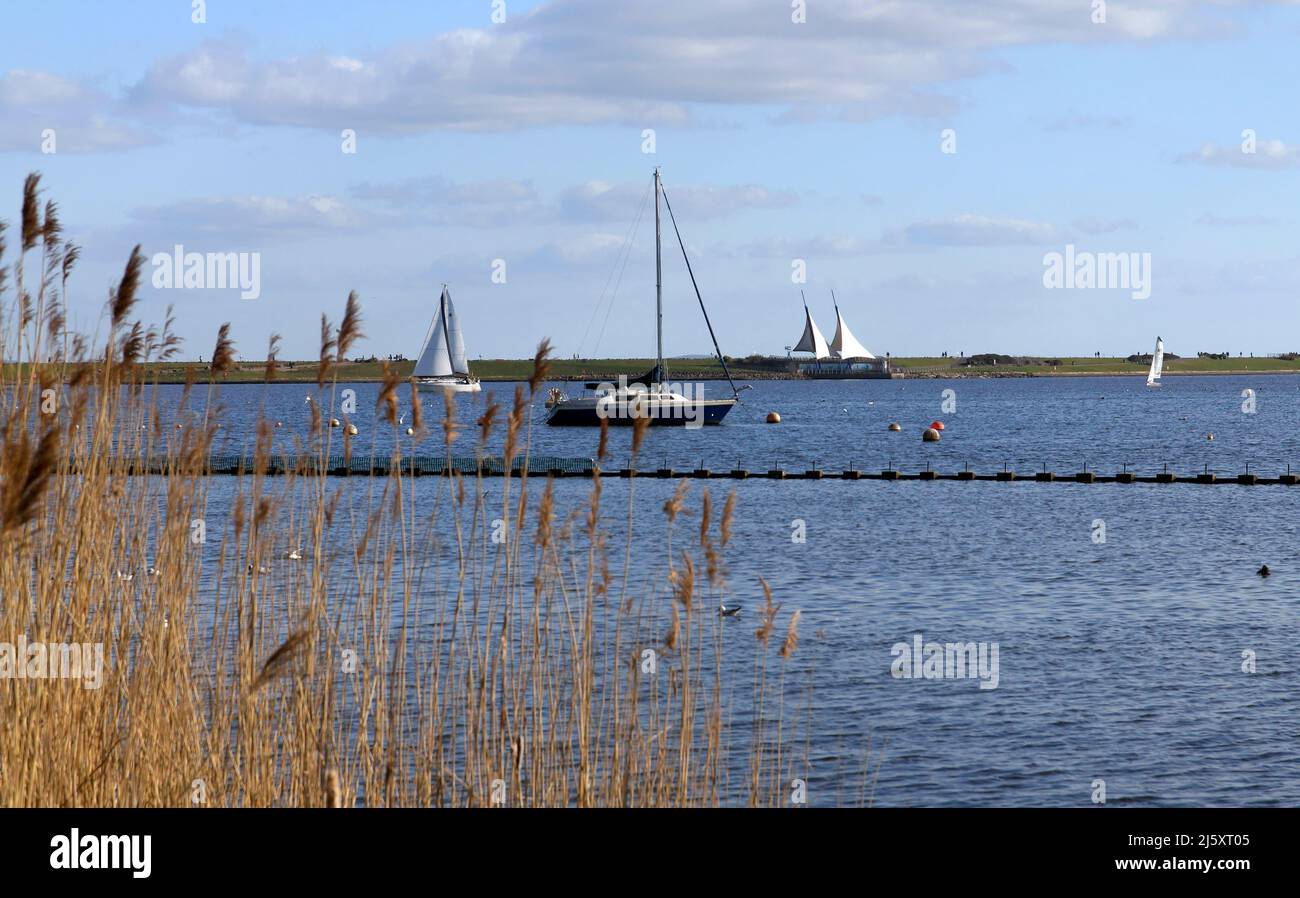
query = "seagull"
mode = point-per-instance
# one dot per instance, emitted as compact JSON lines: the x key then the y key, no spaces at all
{"x":402,"y":420}
{"x":1264,"y":571}
{"x":125,"y":576}
{"x":153,"y":571}
{"x":729,"y":610}
{"x":294,"y":555}
{"x":307,"y":401}
{"x":260,"y":569}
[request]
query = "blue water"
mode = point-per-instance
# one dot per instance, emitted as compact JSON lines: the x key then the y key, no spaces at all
{"x":1118,"y":660}
{"x":1063,"y":423}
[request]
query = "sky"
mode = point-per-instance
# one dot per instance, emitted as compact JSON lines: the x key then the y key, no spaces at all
{"x":923,"y":159}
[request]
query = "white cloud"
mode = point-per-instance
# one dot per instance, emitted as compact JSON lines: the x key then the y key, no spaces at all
{"x":974,"y":230}
{"x":583,"y":62}
{"x":254,"y":214}
{"x":601,"y":201}
{"x":1269,"y":155}
{"x":81,"y":117}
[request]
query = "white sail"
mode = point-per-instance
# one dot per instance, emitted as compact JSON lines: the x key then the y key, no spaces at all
{"x":845,"y":345}
{"x":435,"y":360}
{"x":459,"y":364}
{"x":812,"y":339}
{"x":1157,"y":363}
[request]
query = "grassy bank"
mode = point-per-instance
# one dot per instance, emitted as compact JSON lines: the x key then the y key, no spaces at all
{"x":709,"y":369}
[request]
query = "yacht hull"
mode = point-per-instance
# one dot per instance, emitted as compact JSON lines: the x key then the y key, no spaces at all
{"x":589,"y":413}
{"x":451,"y":384}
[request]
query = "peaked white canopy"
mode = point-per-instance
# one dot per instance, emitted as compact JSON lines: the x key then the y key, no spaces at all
{"x":845,"y":345}
{"x":812,"y":339}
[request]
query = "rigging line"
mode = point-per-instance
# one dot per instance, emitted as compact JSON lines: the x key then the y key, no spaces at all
{"x":619,"y":283}
{"x":626,"y":248}
{"x":705,"y":311}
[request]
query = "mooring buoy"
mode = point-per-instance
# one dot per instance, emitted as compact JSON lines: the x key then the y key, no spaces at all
{"x":936,"y":425}
{"x":773,"y":418}
{"x":930,"y":436}
{"x":895,"y":427}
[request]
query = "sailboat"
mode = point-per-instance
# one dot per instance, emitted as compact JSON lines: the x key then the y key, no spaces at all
{"x":649,"y":396}
{"x":1157,"y":364}
{"x":443,"y":363}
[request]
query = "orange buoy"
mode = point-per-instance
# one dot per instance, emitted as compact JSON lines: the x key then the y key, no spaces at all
{"x":895,"y":426}
{"x":773,"y":418}
{"x":931,"y":435}
{"x":936,"y":425}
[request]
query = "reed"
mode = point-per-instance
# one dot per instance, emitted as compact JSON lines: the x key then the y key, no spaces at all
{"x":458,"y":643}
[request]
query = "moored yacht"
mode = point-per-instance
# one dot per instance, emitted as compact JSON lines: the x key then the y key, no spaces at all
{"x":649,"y":396}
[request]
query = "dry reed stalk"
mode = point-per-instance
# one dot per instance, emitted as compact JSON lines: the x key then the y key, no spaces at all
{"x":307,"y":682}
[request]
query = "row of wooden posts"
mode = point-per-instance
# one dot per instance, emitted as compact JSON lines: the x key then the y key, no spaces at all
{"x":542,"y":466}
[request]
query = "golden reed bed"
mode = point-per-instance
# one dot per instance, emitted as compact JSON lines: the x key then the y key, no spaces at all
{"x":531,"y":686}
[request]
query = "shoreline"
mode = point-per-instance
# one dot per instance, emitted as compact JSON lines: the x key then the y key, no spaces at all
{"x":575,"y":371}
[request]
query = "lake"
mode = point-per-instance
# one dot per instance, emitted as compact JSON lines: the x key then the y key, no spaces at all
{"x":1121,"y":660}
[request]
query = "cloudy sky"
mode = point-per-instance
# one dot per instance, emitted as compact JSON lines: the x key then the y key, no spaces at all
{"x":523,"y":141}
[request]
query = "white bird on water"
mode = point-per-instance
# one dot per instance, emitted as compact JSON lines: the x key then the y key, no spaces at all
{"x":729,"y":610}
{"x":294,"y":555}
{"x":125,"y":576}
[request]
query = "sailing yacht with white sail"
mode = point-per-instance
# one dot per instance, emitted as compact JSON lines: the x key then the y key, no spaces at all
{"x":649,"y":396}
{"x":443,"y":363}
{"x":1157,"y":364}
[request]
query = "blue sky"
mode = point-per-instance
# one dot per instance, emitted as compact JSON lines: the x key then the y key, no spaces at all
{"x":820,"y":141}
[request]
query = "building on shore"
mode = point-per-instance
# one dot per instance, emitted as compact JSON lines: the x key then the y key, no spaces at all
{"x":843,"y":358}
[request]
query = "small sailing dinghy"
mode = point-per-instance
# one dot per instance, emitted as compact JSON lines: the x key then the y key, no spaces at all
{"x":649,"y":395}
{"x":443,"y":363}
{"x":1157,"y":364}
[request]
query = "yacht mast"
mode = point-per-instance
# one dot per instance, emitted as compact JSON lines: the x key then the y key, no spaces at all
{"x":660,"y":374}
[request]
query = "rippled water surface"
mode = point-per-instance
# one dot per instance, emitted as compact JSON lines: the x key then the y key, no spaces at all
{"x":1120,"y":660}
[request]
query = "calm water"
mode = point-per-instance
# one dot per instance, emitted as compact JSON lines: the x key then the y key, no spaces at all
{"x":1064,"y":423}
{"x":1119,"y":661}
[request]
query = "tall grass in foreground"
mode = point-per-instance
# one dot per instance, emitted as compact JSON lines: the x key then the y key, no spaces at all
{"x":537,"y":669}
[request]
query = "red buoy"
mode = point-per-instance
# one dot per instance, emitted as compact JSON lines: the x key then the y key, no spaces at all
{"x":937,"y":425}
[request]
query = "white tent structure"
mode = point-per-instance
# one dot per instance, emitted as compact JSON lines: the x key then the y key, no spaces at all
{"x":812,"y":339}
{"x":845,"y":345}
